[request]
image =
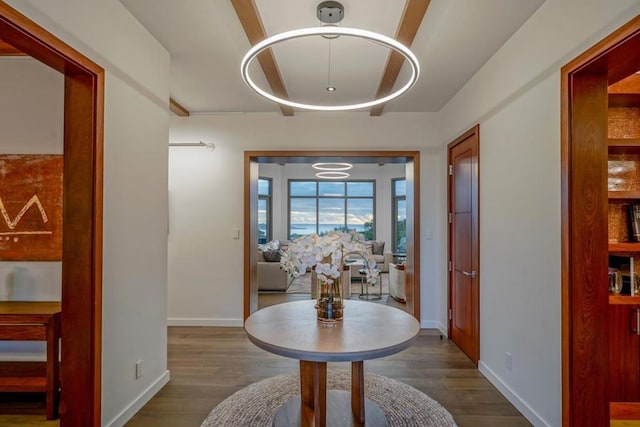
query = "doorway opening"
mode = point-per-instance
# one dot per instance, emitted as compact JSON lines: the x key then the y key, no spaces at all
{"x":411,"y":172}
{"x":600,"y":132}
{"x":81,"y":328}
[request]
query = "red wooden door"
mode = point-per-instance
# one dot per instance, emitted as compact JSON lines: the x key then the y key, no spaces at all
{"x":464,"y":282}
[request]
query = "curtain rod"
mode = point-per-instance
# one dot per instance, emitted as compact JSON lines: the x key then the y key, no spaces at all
{"x":210,"y":145}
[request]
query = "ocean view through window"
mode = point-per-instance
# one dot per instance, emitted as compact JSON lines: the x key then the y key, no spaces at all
{"x":320,"y":206}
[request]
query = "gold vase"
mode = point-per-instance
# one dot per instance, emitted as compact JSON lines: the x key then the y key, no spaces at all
{"x":330,"y":305}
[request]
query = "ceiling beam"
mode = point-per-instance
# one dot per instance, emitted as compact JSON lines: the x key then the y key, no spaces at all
{"x":250,"y":19}
{"x":414,"y":11}
{"x":7,"y":50}
{"x":177,"y":109}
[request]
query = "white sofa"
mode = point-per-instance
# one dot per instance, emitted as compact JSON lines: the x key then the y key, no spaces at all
{"x":270,"y":276}
{"x":382,"y":259}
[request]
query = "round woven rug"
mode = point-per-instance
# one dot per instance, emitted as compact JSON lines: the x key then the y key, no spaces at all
{"x":257,"y":404}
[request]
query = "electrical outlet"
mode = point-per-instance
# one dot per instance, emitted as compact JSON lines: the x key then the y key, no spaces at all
{"x":507,"y":360}
{"x":138,"y":368}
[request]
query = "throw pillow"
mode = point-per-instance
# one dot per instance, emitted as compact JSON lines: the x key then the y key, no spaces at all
{"x":369,"y":247}
{"x":272,"y":255}
{"x":272,"y":245}
{"x":378,"y":248}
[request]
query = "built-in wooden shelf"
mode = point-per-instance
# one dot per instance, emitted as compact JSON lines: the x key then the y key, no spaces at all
{"x":21,"y":384}
{"x":624,"y":300}
{"x":624,"y":411}
{"x":624,"y":248}
{"x":624,"y":145}
{"x":624,"y":100}
{"x":620,"y":195}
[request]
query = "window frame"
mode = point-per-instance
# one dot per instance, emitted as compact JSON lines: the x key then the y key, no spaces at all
{"x":269,"y":200}
{"x":394,"y":212}
{"x":317,"y":198}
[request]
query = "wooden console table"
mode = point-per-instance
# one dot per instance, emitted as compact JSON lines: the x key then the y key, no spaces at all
{"x":34,"y":321}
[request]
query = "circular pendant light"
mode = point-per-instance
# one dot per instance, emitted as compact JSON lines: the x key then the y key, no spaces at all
{"x":332,"y":175}
{"x":331,"y":31}
{"x":332,"y":167}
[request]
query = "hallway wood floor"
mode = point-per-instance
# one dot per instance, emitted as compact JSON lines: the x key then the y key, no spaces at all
{"x":208,"y":364}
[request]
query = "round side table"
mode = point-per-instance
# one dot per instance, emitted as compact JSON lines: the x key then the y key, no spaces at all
{"x":368,"y":331}
{"x":364,"y":291}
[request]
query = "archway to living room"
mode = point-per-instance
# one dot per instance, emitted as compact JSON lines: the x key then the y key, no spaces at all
{"x":81,"y":250}
{"x":409,"y":159}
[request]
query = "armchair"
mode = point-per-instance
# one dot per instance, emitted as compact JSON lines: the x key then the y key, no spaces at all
{"x":397,"y":282}
{"x":382,"y":261}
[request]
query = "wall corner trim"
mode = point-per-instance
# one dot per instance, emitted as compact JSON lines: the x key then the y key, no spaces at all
{"x":520,"y":404}
{"x":428,"y":324}
{"x":127,"y":413}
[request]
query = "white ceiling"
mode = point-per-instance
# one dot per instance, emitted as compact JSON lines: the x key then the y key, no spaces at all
{"x":206,"y":42}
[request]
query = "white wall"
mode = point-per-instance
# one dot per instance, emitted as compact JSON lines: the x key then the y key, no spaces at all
{"x":516,"y":99}
{"x":135,"y":191}
{"x":206,"y":198}
{"x":381,"y":174}
{"x":31,"y":93}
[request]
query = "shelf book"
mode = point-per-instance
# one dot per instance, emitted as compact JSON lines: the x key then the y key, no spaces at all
{"x":634,"y":219}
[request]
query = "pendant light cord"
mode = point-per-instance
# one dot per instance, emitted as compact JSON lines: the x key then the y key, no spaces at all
{"x":329,"y":70}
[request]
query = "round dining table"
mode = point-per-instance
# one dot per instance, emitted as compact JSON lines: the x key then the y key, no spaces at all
{"x":367,"y":331}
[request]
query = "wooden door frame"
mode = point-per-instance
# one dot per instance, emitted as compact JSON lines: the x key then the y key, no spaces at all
{"x":80,"y":401}
{"x":412,"y":269}
{"x":474,"y":131}
{"x":585,"y":357}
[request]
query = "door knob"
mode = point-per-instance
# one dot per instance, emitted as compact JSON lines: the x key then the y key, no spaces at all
{"x":469,"y":274}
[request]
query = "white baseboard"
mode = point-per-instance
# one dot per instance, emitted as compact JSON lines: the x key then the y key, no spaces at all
{"x":140,"y":401}
{"x":522,"y":406}
{"x":428,"y":324}
{"x":443,"y":329}
{"x":202,"y":321}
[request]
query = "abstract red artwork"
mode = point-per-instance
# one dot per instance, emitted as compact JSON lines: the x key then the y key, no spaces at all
{"x":30,"y":207}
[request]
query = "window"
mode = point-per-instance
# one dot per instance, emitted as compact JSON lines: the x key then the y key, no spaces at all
{"x":399,"y":214}
{"x":264,"y":209}
{"x":323,"y":206}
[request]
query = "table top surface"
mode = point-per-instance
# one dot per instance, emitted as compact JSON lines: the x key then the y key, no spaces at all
{"x":368,"y":331}
{"x":30,"y":307}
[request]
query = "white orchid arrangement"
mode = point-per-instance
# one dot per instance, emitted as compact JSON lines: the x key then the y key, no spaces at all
{"x":326,"y":253}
